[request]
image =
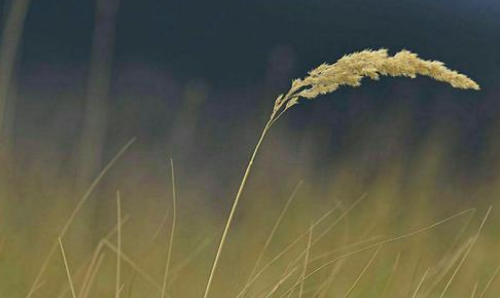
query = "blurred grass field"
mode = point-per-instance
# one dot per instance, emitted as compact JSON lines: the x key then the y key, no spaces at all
{"x":352,"y":198}
{"x":371,"y":205}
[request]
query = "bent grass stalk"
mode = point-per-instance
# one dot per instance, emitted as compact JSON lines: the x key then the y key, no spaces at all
{"x":327,"y":78}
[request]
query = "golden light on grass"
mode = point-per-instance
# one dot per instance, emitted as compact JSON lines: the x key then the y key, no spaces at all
{"x":280,"y":256}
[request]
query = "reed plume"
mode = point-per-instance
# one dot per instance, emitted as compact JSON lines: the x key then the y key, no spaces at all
{"x":347,"y":71}
{"x":351,"y":69}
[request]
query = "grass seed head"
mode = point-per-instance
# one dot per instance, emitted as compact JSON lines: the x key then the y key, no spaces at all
{"x":351,"y":69}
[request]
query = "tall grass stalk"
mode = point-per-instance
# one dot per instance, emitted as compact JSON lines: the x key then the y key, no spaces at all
{"x":327,"y":78}
{"x":234,"y":207}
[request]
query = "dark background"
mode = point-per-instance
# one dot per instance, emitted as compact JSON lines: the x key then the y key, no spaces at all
{"x":240,"y":55}
{"x":229,"y":42}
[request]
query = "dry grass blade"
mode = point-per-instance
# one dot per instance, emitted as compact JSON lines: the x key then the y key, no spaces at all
{"x":68,"y":274}
{"x":474,"y":290}
{"x":327,"y":254}
{"x":322,"y":267}
{"x":182,"y":265}
{"x":490,"y":282}
{"x":322,"y":290}
{"x":351,"y":289}
{"x":288,"y":269}
{"x":280,"y":283}
{"x":391,"y":276}
{"x":420,"y":283}
{"x":88,"y":285}
{"x":118,"y":245}
{"x":172,"y":231}
{"x":76,"y":276}
{"x":41,"y":284}
{"x":476,"y":236}
{"x":306,"y":262}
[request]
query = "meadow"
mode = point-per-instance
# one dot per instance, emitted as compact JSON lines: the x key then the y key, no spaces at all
{"x":402,"y":225}
{"x":127,"y":181}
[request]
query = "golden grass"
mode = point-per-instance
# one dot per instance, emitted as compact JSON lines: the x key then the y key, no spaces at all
{"x":310,"y":263}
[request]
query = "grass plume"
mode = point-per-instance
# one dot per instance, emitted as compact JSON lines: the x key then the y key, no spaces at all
{"x":351,"y":69}
{"x":347,"y":71}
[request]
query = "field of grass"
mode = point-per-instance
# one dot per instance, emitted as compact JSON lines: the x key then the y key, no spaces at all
{"x":389,"y":235}
{"x":389,"y":216}
{"x":404,"y":228}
